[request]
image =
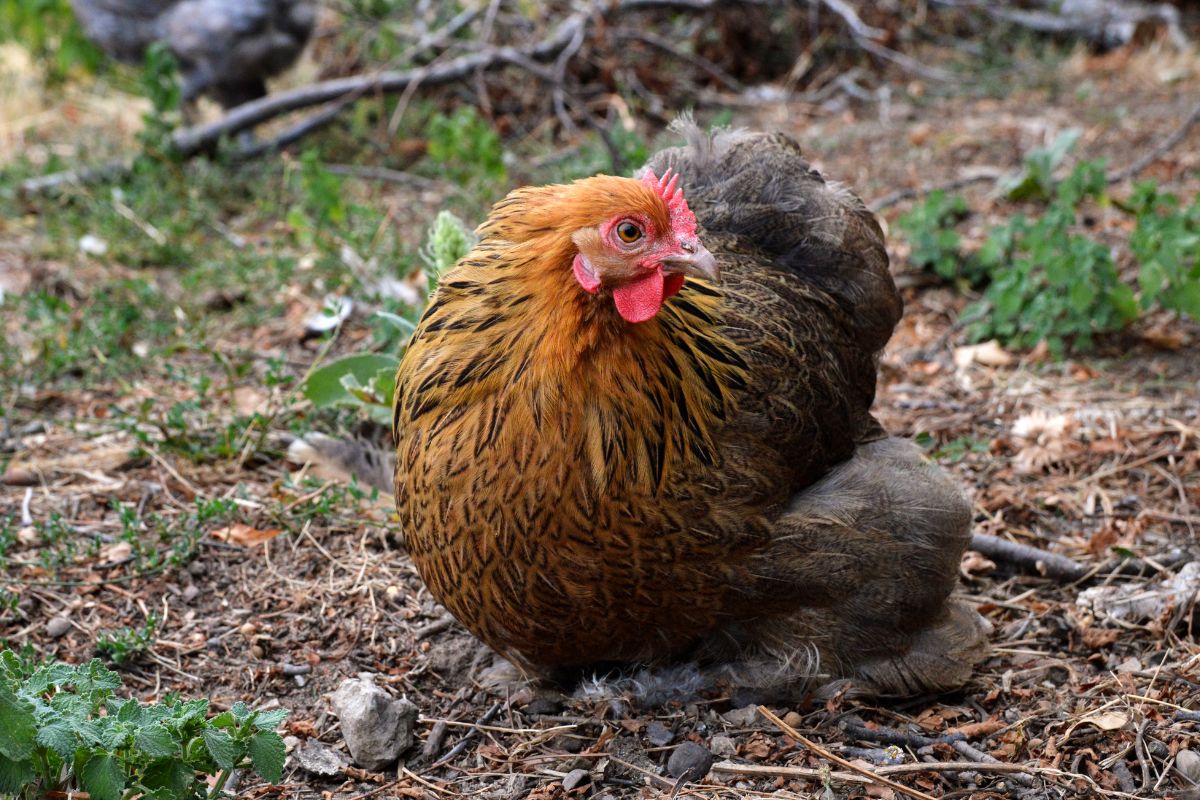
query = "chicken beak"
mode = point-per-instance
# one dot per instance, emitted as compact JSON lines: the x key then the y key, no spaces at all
{"x":694,"y":261}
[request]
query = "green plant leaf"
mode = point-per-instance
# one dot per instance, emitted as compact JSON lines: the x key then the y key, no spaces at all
{"x":155,"y":741}
{"x":270,"y":719}
{"x":223,"y":749}
{"x":15,"y":775}
{"x":17,"y":726}
{"x":59,"y":737}
{"x":324,"y":386}
{"x":240,"y":711}
{"x":171,"y":776}
{"x":267,"y":754}
{"x":102,"y":777}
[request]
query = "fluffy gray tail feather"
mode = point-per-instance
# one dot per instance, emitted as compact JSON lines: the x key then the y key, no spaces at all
{"x":344,"y":460}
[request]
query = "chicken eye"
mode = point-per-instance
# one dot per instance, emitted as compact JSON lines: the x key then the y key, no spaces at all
{"x":628,"y":232}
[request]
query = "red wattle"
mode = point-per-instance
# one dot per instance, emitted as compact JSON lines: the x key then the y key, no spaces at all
{"x":640,"y":300}
{"x":672,"y":284}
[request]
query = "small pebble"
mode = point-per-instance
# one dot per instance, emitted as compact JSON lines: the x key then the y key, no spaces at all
{"x":576,"y":778}
{"x":542,"y":705}
{"x":723,"y":746}
{"x":57,"y":626}
{"x":689,"y":761}
{"x":742,"y":717}
{"x":570,"y":744}
{"x":190,"y":592}
{"x":659,"y":735}
{"x":1187,"y":762}
{"x":793,"y":719}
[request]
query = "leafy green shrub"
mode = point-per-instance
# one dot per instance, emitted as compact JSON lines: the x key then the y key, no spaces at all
{"x":448,"y":240}
{"x":160,"y":82}
{"x":48,"y":29}
{"x":466,"y":148}
{"x":929,"y":228}
{"x":63,"y":729}
{"x":1049,"y":283}
{"x":1036,"y":180}
{"x":1166,"y":243}
{"x":1044,"y":278}
{"x":125,"y":644}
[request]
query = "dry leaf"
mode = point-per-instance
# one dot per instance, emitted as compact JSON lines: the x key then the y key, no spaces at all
{"x":974,"y":563}
{"x":249,"y":400}
{"x":115,"y":551}
{"x":1042,"y":426}
{"x":1095,"y":638}
{"x":240,"y":533}
{"x":1108,"y":721}
{"x":1047,"y":439}
{"x":989,"y":354}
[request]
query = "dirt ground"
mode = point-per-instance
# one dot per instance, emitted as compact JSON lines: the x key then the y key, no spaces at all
{"x":1086,"y":458}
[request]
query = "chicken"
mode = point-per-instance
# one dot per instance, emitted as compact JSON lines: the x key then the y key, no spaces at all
{"x":608,"y":457}
{"x":225,"y":48}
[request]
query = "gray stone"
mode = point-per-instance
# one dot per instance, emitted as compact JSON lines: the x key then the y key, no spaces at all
{"x":57,"y":626}
{"x":543,"y":705}
{"x":690,"y":762}
{"x":1187,"y":762}
{"x":741,"y":717}
{"x":576,"y":778}
{"x":723,"y":746}
{"x":314,"y":757}
{"x":659,"y":735}
{"x":377,"y":728}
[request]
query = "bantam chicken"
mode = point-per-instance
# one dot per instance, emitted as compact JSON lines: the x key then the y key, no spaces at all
{"x":633,"y":428}
{"x":225,"y":48}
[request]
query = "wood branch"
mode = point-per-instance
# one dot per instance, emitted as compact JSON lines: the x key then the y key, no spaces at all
{"x":1040,"y":562}
{"x":723,"y":77}
{"x":1159,"y":151}
{"x":190,"y":141}
{"x":1101,"y":22}
{"x":896,"y":769}
{"x":978,"y":175}
{"x":864,"y":36}
{"x":76,"y":177}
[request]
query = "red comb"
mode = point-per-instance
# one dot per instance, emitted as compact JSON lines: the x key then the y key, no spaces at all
{"x":683,"y":221}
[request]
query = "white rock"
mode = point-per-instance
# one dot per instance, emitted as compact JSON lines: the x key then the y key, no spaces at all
{"x":92,"y":245}
{"x":377,"y":728}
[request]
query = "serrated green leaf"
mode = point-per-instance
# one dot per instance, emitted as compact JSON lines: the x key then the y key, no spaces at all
{"x":15,"y":775}
{"x":267,"y":754}
{"x":223,"y":720}
{"x":17,"y":727}
{"x":101,"y":677}
{"x":155,"y":741}
{"x":223,"y":749}
{"x":171,"y":776}
{"x":58,"y":737}
{"x":240,"y":711}
{"x":102,"y":777}
{"x":270,"y":719}
{"x":114,"y":734}
{"x":130,"y":711}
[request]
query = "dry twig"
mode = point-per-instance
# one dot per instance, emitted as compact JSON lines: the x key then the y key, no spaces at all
{"x":824,"y":753}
